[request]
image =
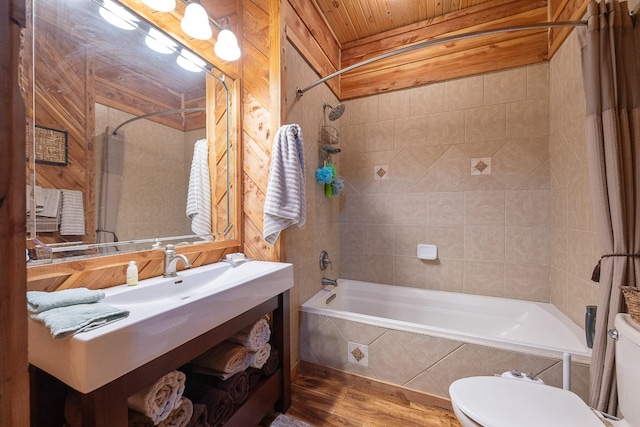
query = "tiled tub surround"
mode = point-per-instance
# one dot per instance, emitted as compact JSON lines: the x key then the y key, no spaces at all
{"x":429,"y":357}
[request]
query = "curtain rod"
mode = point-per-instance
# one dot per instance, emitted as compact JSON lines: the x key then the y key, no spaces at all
{"x":300,"y":92}
{"x":159,"y":113}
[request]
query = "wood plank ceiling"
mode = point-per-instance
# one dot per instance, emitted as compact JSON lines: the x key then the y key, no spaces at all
{"x":352,"y":20}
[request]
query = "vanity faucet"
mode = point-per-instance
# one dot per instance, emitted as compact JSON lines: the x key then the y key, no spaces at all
{"x":171,"y":261}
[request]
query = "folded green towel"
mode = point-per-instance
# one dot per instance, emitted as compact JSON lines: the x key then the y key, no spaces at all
{"x":38,"y":301}
{"x":66,"y":321}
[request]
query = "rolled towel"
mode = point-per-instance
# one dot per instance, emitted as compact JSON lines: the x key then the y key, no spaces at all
{"x":260,"y":357}
{"x":225,"y":358}
{"x":272,"y":364}
{"x":200,"y":416}
{"x":254,"y":376}
{"x":159,"y":399}
{"x":253,"y":336}
{"x":180,"y":416}
{"x":39,"y":301}
{"x":219,"y":406}
{"x":237,"y":386}
{"x":63,"y":322}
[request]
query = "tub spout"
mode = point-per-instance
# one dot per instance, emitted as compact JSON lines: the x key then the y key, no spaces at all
{"x":326,"y":282}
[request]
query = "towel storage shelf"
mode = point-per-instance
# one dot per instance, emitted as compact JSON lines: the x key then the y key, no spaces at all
{"x":107,"y":406}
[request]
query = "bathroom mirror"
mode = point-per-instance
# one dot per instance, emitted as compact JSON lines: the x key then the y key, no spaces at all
{"x":112,"y":130}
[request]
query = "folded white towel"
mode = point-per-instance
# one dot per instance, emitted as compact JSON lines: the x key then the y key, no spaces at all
{"x":285,"y":202}
{"x":225,"y":358}
{"x":253,"y":336}
{"x":39,"y":301}
{"x":66,"y":321}
{"x":260,"y":357}
{"x":158,"y":400}
{"x":199,"y":192}
{"x":72,"y":213}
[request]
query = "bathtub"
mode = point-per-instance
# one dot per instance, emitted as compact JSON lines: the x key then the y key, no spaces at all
{"x":481,"y":335}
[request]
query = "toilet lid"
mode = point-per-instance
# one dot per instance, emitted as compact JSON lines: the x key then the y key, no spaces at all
{"x":506,"y":402}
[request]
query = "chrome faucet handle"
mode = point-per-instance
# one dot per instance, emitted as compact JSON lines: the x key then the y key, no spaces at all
{"x":324,"y":261}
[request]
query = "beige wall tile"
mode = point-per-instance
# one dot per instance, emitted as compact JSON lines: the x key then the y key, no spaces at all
{"x":527,"y":208}
{"x":352,"y":209}
{"x":379,"y":135}
{"x":484,"y":243}
{"x":505,"y":86}
{"x":528,"y":118}
{"x":515,"y":161}
{"x":360,"y":333}
{"x":410,"y":209}
{"x":427,"y":99}
{"x":463,"y":93}
{"x":484,"y":208}
{"x":411,"y":132}
{"x":484,"y":278}
{"x":446,"y":209}
{"x":378,"y":209}
{"x":559,"y":286}
{"x":445,"y":275}
{"x":328,"y":345}
{"x":394,"y":105}
{"x":527,"y":281}
{"x":409,"y":271}
{"x":579,"y":208}
{"x":352,"y":139}
{"x":390,"y":361}
{"x":356,"y":170}
{"x":539,"y":179}
{"x":446,"y":174}
{"x":485,"y":123}
{"x":352,"y":265}
{"x":406,"y":239}
{"x":362,"y":110}
{"x":559,"y":207}
{"x":379,"y":239}
{"x":446,"y":128}
{"x":378,"y":268}
{"x":352,"y":238}
{"x":410,"y":164}
{"x":538,"y":80}
{"x":448,"y":239}
{"x":527,"y":245}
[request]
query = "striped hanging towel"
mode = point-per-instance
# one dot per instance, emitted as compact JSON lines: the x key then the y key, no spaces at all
{"x":199,"y":193}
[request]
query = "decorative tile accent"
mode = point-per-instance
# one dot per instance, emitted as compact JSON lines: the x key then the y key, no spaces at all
{"x":358,"y":354}
{"x":380,"y":172}
{"x":481,"y":166}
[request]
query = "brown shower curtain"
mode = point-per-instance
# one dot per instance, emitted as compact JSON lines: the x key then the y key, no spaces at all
{"x":612,"y":92}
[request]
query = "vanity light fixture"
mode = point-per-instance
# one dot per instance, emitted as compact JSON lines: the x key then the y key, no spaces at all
{"x":161,"y":5}
{"x":117,"y":15}
{"x":195,"y":22}
{"x":226,"y":47}
{"x":190,"y":62}
{"x":160,"y":43}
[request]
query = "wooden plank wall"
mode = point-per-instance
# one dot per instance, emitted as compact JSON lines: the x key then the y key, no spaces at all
{"x":260,"y":117}
{"x":563,"y":10}
{"x":456,"y":59}
{"x":14,"y":379}
{"x":66,"y":102}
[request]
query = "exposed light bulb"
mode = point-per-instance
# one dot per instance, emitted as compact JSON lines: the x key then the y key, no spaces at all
{"x":226,"y":46}
{"x":117,"y":15}
{"x":190,"y":62}
{"x":161,"y":5}
{"x":159,"y":42}
{"x":196,"y":22}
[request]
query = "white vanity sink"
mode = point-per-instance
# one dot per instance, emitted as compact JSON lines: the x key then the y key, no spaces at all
{"x":164,"y":314}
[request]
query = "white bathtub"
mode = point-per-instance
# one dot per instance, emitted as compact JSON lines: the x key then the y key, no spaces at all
{"x":524,"y":326}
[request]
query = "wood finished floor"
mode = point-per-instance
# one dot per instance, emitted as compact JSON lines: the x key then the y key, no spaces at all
{"x":323,"y":401}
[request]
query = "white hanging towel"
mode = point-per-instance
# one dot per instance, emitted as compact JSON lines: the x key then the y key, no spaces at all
{"x":72,"y":213}
{"x":199,"y":193}
{"x":285,"y":203}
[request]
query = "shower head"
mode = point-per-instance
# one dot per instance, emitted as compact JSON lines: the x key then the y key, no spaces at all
{"x":335,"y":112}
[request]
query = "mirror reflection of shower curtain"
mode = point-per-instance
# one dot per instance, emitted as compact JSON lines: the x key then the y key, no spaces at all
{"x":111,"y":187}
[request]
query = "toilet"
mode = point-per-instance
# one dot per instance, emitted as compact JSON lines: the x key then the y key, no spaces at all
{"x":506,"y":402}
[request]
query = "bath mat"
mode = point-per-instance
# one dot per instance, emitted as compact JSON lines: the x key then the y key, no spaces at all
{"x":284,"y":421}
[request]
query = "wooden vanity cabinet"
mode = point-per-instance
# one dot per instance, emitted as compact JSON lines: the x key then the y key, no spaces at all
{"x":107,"y":405}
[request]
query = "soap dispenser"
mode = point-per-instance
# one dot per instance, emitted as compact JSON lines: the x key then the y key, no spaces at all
{"x":132,"y":274}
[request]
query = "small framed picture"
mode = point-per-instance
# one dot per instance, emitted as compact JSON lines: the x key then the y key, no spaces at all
{"x":51,"y":146}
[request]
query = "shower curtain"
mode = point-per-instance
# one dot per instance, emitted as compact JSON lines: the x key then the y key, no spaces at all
{"x":612,"y":92}
{"x":111,"y":188}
